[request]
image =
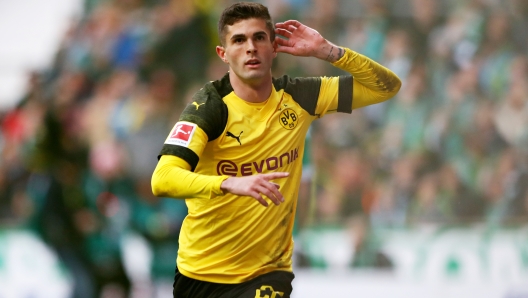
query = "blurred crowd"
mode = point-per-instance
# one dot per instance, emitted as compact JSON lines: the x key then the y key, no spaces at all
{"x":78,"y":151}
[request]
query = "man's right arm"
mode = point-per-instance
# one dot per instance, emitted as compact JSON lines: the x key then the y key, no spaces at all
{"x":173,"y":178}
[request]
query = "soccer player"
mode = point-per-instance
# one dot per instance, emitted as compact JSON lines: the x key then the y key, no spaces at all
{"x":236,"y":153}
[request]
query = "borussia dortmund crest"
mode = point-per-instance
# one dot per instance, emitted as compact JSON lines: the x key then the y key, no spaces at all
{"x":288,"y":119}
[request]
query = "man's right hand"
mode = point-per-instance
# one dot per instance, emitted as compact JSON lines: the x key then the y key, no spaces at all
{"x":255,"y":186}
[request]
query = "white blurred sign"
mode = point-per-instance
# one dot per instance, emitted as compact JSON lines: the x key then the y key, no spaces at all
{"x":30,"y":33}
{"x":470,"y":262}
{"x":28,"y":268}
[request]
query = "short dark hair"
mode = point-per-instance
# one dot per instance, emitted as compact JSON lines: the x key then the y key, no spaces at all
{"x":243,"y":11}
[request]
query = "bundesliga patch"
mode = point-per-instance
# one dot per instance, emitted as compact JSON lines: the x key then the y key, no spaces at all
{"x":181,"y":134}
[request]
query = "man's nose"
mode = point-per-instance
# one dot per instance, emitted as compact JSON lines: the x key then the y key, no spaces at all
{"x":251,"y":49}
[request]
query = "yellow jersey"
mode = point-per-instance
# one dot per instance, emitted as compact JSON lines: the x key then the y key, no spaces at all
{"x":227,"y":238}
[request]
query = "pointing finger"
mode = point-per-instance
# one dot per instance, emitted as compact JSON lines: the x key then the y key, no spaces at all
{"x":275,"y":175}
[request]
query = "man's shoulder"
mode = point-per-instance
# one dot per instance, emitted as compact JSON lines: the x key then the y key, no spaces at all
{"x":207,"y":108}
{"x":293,"y":84}
{"x":303,"y":90}
{"x":214,"y":90}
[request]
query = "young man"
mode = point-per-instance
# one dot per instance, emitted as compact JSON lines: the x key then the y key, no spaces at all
{"x":236,"y":153}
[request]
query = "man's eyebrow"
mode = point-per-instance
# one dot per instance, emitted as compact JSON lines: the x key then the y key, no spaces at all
{"x":241,"y":35}
{"x":237,"y":36}
{"x":260,"y":33}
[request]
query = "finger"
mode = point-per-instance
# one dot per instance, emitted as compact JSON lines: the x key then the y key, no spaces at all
{"x":286,"y":49}
{"x":291,"y":28}
{"x":285,"y":26}
{"x":280,"y":25}
{"x":282,"y":42}
{"x":293,"y":23}
{"x":283,"y":32}
{"x":274,"y":196}
{"x":275,"y":175}
{"x":273,"y":188}
{"x":259,"y":198}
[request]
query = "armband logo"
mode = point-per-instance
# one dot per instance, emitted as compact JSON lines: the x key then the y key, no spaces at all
{"x":181,"y":134}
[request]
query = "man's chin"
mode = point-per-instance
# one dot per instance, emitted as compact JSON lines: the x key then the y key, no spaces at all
{"x":253,"y":76}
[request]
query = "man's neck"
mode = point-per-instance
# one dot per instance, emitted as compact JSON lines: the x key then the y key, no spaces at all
{"x":254,"y":92}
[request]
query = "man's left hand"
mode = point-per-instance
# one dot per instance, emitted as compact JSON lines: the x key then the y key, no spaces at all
{"x":301,"y":40}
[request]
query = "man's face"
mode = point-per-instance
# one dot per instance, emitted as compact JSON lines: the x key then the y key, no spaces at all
{"x":248,"y":50}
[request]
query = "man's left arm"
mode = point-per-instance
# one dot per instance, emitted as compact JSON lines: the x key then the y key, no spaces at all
{"x":373,"y":83}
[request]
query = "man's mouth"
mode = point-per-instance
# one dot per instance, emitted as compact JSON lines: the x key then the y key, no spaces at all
{"x":253,"y":62}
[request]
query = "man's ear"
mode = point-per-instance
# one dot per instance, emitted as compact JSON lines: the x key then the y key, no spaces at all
{"x":275,"y":46}
{"x":220,"y":51}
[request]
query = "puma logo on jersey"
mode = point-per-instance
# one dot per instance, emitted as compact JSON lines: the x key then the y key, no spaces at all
{"x":231,"y":135}
{"x":197,"y":105}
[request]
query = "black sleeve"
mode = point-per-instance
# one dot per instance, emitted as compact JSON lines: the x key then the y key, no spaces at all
{"x":305,"y":91}
{"x":344,"y":99}
{"x":209,"y":112}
